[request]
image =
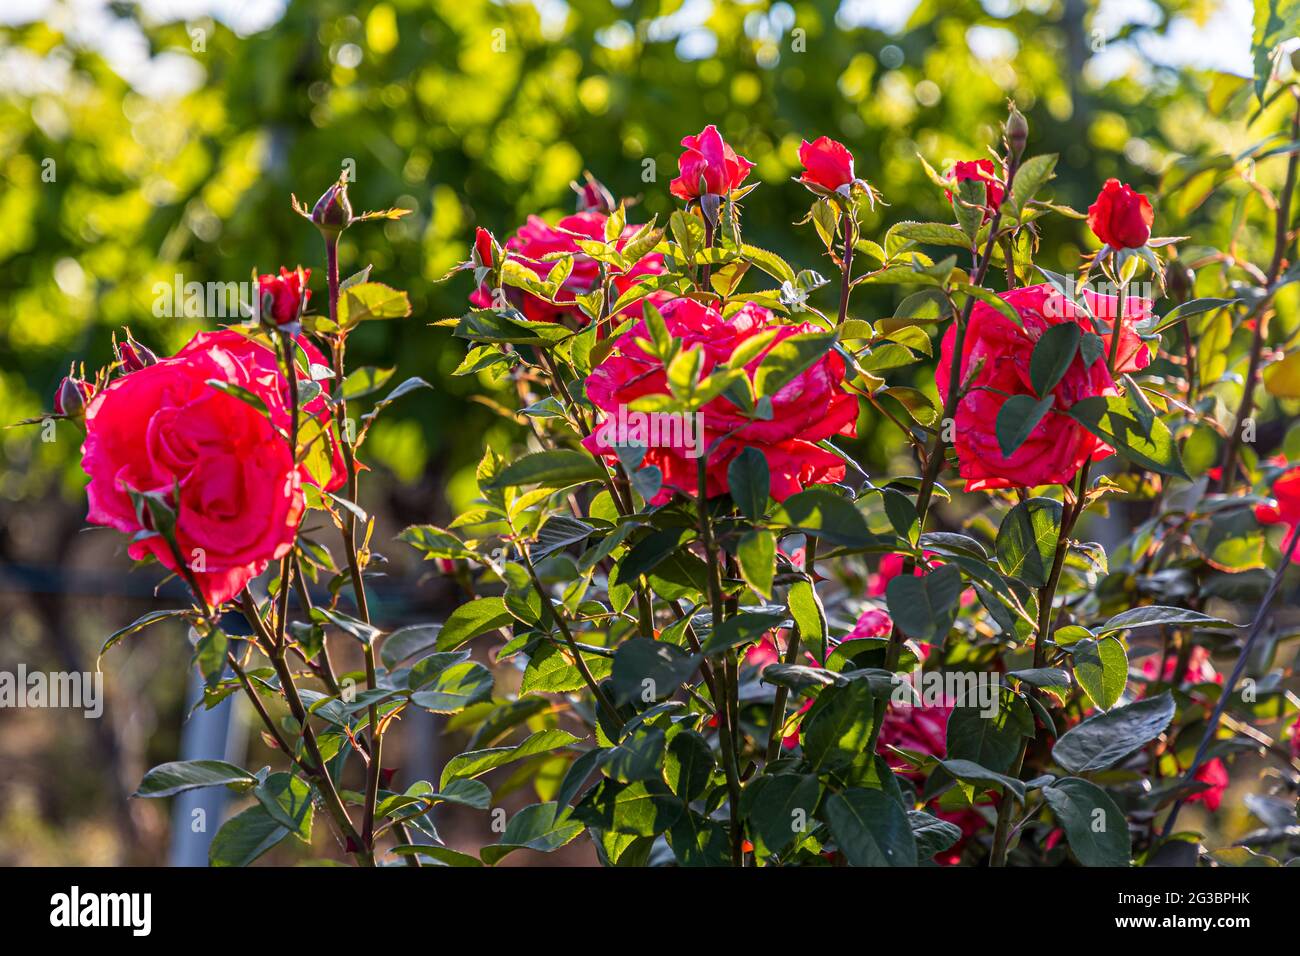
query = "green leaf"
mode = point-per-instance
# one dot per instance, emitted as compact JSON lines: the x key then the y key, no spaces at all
{"x":969,"y":771}
{"x":1102,"y":741}
{"x":543,"y":827}
{"x":1027,"y":540}
{"x":871,"y":828}
{"x":1101,"y":668}
{"x":552,"y":670}
{"x":365,"y":381}
{"x":838,"y":726}
{"x":749,"y":481}
{"x":645,"y":808}
{"x":932,"y":834}
{"x":475,"y":763}
{"x":638,"y":757}
{"x":1112,"y":420}
{"x":1052,"y":356}
{"x":405,"y":642}
{"x":809,"y":615}
{"x":698,"y":841}
{"x":649,"y":670}
{"x":689,"y":765}
{"x":1094,"y":826}
{"x":1152,"y":614}
{"x":1275,"y":21}
{"x":171,"y":778}
{"x":756,"y":553}
{"x":558,"y":468}
{"x":990,"y":740}
{"x":455,"y":688}
{"x":245,"y":837}
{"x":139,"y":624}
{"x":826,"y":515}
{"x":288,"y":801}
{"x":1017,"y":418}
{"x":743,"y":628}
{"x":788,"y":358}
{"x":780,"y":808}
{"x":368,"y":301}
{"x":470,"y":620}
{"x":1033,"y":173}
{"x":926,"y":607}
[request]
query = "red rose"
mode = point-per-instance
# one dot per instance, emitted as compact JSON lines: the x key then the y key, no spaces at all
{"x":219,"y":462}
{"x":282,"y":298}
{"x":1285,"y":506}
{"x":1120,"y":217}
{"x":709,"y":165}
{"x":1058,"y":446}
{"x":812,"y":407}
{"x":826,"y":163}
{"x":535,"y":240}
{"x":980,"y":171}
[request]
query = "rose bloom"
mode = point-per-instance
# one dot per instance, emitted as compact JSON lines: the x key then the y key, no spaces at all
{"x":812,"y":407}
{"x":1121,"y":218}
{"x":283,"y":296}
{"x":709,"y":165}
{"x":1058,"y":446}
{"x":218,"y":461}
{"x":1285,"y":506}
{"x":980,"y":170}
{"x":826,"y":163}
{"x":535,"y":240}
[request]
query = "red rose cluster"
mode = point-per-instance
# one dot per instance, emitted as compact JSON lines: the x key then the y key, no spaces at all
{"x":812,"y":407}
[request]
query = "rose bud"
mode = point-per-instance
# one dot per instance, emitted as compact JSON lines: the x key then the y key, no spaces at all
{"x":485,"y":249}
{"x":71,"y":396}
{"x":708,"y":167}
{"x":594,"y":197}
{"x":133,"y":356}
{"x":980,"y":171}
{"x":333,"y":212}
{"x":827,"y":164}
{"x":282,"y":298}
{"x":1017,"y":132}
{"x":1180,"y":280}
{"x":1121,"y":218}
{"x":447,"y":566}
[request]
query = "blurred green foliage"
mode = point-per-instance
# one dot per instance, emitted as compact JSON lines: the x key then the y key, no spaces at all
{"x":473,"y":112}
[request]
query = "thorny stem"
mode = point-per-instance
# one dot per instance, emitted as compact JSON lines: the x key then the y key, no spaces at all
{"x":846,"y":269}
{"x":318,"y":770}
{"x":726,"y":736}
{"x":791,"y":655}
{"x":1121,"y":294}
{"x":1042,"y":636}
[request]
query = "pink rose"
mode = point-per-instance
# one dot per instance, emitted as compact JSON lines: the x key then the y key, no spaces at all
{"x":1058,"y":446}
{"x":812,"y":407}
{"x":873,"y":622}
{"x":709,"y":165}
{"x":219,"y":462}
{"x":535,"y":240}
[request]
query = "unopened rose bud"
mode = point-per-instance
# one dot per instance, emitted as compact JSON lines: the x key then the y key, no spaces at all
{"x":1017,"y":132}
{"x":283,"y":297}
{"x":1180,"y":280}
{"x":133,"y":356}
{"x":485,"y":249}
{"x":71,"y":396}
{"x":447,"y":566}
{"x":333,"y":212}
{"x":594,"y":197}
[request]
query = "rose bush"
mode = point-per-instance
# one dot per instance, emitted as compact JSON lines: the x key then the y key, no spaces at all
{"x":707,"y":621}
